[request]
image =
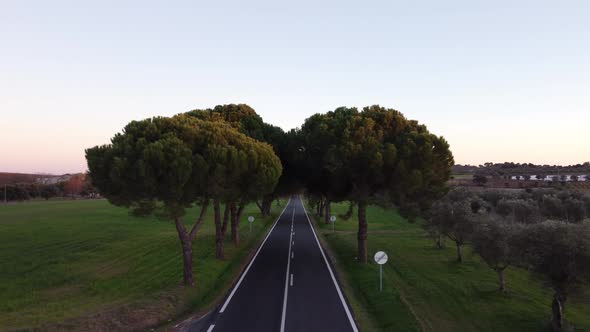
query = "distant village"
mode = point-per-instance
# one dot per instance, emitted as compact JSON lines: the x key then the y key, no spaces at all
{"x":53,"y":179}
{"x":555,"y":178}
{"x":24,"y":187}
{"x":522,"y":176}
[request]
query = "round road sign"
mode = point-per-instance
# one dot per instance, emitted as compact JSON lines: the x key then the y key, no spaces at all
{"x":333,"y":218}
{"x":250,"y":218}
{"x":380,"y":258}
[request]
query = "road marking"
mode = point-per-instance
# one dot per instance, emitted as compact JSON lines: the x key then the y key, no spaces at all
{"x":291,"y":279}
{"x":251,"y":262}
{"x":210,"y":327}
{"x":350,"y":319}
{"x":292,"y":254}
{"x":283,"y":316}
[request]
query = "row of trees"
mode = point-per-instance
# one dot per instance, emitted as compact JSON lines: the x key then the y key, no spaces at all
{"x":227,"y":156}
{"x":76,"y":185}
{"x":533,"y":230}
{"x":372,"y":156}
{"x":532,"y":206}
{"x":167,"y":165}
{"x":243,"y":118}
{"x":510,"y":168}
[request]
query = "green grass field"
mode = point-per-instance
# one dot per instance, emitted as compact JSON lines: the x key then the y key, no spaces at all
{"x":425,"y":289}
{"x":74,"y":260}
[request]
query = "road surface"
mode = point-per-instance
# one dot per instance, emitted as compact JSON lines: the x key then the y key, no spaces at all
{"x":288,"y":285}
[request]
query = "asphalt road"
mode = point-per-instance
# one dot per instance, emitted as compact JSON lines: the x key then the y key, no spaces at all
{"x":288,"y":286}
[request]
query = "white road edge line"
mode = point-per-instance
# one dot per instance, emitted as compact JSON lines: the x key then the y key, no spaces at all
{"x":283,"y":316}
{"x":252,"y":261}
{"x":350,"y":319}
{"x":210,"y":327}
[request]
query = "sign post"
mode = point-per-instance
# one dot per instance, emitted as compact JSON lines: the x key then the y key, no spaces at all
{"x":380,"y":258}
{"x":333,"y":220}
{"x":250,"y":221}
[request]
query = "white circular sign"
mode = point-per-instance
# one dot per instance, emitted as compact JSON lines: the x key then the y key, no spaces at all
{"x":380,"y":258}
{"x":250,"y":218}
{"x":333,"y":218}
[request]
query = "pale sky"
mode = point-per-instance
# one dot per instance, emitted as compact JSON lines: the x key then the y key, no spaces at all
{"x":501,"y":80}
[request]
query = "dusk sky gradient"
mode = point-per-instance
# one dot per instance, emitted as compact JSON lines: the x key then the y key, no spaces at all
{"x":501,"y":80}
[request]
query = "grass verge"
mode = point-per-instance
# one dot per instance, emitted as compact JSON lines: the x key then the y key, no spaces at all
{"x":425,"y":289}
{"x":89,"y":265}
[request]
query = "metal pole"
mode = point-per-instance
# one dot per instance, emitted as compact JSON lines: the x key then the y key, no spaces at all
{"x":5,"y":200}
{"x":250,"y":227}
{"x":380,"y":278}
{"x":333,"y":227}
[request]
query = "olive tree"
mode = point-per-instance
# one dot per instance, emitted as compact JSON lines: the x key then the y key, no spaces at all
{"x":519,"y":210}
{"x":455,"y":216}
{"x":480,"y":179}
{"x":494,"y":241}
{"x":559,"y":251}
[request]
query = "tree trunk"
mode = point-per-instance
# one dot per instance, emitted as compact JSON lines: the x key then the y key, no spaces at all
{"x":362,"y":233}
{"x":187,"y":253}
{"x":439,"y":241}
{"x":199,"y":222}
{"x":226,"y":212}
{"x":459,"y":252}
{"x":327,"y":216}
{"x":349,"y":212}
{"x":558,"y":308}
{"x":501,"y":280}
{"x":234,"y":224}
{"x":218,"y":231}
{"x":265,"y":205}
{"x":321,"y":208}
{"x":240,"y":212}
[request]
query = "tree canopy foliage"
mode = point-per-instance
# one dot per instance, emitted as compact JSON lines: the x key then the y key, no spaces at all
{"x":179,"y":161}
{"x":543,"y":230}
{"x":374,"y":155}
{"x":245,"y":119}
{"x":515,"y":169}
{"x":455,"y":216}
{"x":560,"y":252}
{"x":494,"y":240}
